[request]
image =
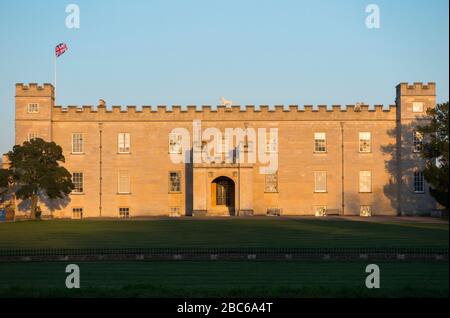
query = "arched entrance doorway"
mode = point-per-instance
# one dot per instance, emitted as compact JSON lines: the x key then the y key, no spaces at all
{"x":222,"y":195}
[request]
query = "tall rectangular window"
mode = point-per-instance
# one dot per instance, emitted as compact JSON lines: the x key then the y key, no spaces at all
{"x":32,"y":135}
{"x":320,"y":142}
{"x":365,"y":141}
{"x":77,"y":143}
{"x":77,"y":180}
{"x":271,"y":141}
{"x":365,"y":181}
{"x":175,"y":143}
{"x":418,"y":182}
{"x":320,"y":181}
{"x":33,"y":108}
{"x":123,"y":142}
{"x":123,"y":182}
{"x":124,"y":213}
{"x":417,"y":141}
{"x":271,"y":182}
{"x":174,"y":181}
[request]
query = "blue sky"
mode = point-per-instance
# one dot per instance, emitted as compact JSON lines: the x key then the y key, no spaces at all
{"x":250,"y":51}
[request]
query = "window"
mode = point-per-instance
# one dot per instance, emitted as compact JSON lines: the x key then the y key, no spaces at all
{"x":123,"y":182}
{"x":320,"y":142}
{"x":271,"y":142}
{"x":418,"y":182}
{"x":123,"y":142}
{"x":124,"y":213}
{"x":320,"y":210}
{"x":174,"y":211}
{"x":417,"y":107}
{"x":417,"y":141}
{"x":365,"y":181}
{"x":365,"y":210}
{"x":32,"y":135}
{"x":174,"y":181}
{"x":320,"y":181}
{"x":364,"y":142}
{"x":77,"y":180}
{"x":271,"y":183}
{"x":33,"y":108}
{"x":77,"y":143}
{"x":175,"y":143}
{"x":77,"y":213}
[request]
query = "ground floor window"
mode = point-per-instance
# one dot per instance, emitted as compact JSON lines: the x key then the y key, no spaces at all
{"x":77,"y":213}
{"x":365,"y":210}
{"x":174,"y":211}
{"x":124,"y":213}
{"x":320,"y":210}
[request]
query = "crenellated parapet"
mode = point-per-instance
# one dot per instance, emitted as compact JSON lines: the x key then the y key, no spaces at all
{"x":35,"y":90}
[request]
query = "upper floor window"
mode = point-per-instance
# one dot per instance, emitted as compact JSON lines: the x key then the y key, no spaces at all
{"x":271,"y":183}
{"x":123,"y":143}
{"x":175,"y":143}
{"x":365,"y":181}
{"x":364,"y":142}
{"x":320,"y":181}
{"x":32,"y":135}
{"x":417,"y":141}
{"x":77,"y":180}
{"x":123,"y":182}
{"x":418,"y":182}
{"x":174,"y":181}
{"x":320,"y":142}
{"x":33,"y":108}
{"x":77,"y":143}
{"x":417,"y":107}
{"x":271,"y":142}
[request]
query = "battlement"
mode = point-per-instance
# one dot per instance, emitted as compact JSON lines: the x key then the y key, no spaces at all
{"x":34,"y":89}
{"x":178,"y":109}
{"x":416,"y":89}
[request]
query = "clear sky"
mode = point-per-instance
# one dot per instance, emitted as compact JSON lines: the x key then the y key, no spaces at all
{"x":194,"y":51}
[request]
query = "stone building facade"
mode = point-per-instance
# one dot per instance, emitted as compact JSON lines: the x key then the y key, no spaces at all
{"x":345,"y":160}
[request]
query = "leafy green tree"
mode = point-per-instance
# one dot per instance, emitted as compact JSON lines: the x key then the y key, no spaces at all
{"x":35,"y":172}
{"x":435,"y":152}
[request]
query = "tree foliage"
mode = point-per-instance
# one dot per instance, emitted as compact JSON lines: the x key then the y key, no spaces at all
{"x":435,"y":152}
{"x":35,"y":172}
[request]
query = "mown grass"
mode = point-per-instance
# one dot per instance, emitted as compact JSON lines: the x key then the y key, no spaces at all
{"x":225,"y":279}
{"x":193,"y":233}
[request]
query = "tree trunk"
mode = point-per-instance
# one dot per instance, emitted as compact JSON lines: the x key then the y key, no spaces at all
{"x":34,"y":202}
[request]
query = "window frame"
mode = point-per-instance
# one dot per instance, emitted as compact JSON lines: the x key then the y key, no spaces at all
{"x":122,"y":209}
{"x":179,"y":142}
{"x":316,"y":184}
{"x":362,"y":140}
{"x":418,"y":104}
{"x":317,"y":142}
{"x":121,"y":173}
{"x":29,"y":138}
{"x":75,"y":191}
{"x":81,"y":143}
{"x":170,"y":181}
{"x":81,"y":210}
{"x":420,"y":182}
{"x":36,"y":108}
{"x":126,"y":143}
{"x":417,"y":144}
{"x":370,"y":181}
{"x":271,"y":142}
{"x":266,"y":177}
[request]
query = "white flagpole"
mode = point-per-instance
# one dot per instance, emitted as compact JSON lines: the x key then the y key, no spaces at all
{"x":54,"y":83}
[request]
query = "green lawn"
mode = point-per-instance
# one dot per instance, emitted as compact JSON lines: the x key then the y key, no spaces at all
{"x":225,"y":279}
{"x":192,"y":233}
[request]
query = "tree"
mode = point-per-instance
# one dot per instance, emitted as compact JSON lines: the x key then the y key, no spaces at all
{"x":35,"y":172}
{"x":435,"y":152}
{"x":4,"y":182}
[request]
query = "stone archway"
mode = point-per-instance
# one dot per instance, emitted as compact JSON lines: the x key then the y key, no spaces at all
{"x":223,"y":196}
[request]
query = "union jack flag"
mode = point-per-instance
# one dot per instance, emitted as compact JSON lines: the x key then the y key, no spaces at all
{"x":60,"y":49}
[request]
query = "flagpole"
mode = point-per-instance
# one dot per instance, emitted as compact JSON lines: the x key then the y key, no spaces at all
{"x":54,"y":83}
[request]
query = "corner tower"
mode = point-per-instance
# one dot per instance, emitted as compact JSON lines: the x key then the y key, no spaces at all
{"x":34,"y":105}
{"x":413,"y":101}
